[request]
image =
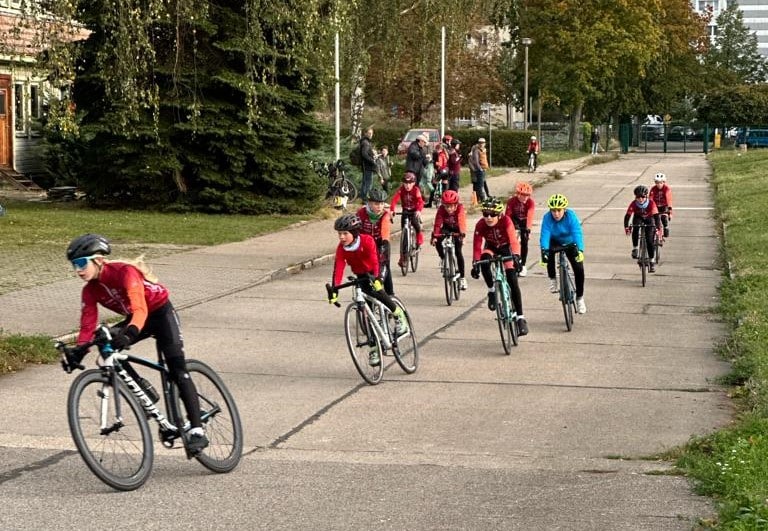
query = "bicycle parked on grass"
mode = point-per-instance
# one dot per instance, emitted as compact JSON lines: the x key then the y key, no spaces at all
{"x":449,"y":268}
{"x":108,"y":410}
{"x":409,"y":250}
{"x":339,"y":185}
{"x":506,"y":315}
{"x":369,"y":327}
{"x":567,"y":286}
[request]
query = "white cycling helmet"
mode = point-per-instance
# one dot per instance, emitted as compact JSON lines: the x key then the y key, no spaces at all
{"x":533,"y":137}
{"x":659,"y":178}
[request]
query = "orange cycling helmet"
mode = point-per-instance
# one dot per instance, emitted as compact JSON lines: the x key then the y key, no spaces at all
{"x":450,"y":197}
{"x":523,"y":188}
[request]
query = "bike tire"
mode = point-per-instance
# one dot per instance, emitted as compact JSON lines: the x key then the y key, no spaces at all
{"x":643,"y":258}
{"x":414,"y":255}
{"x":531,"y":164}
{"x":657,"y":249}
{"x":449,"y":272}
{"x":504,"y":330}
{"x":361,"y":338}
{"x":345,"y":187}
{"x":405,"y":348}
{"x":566,"y":296}
{"x":123,"y":457}
{"x":221,"y":419}
{"x":405,"y":251}
{"x":454,"y":275}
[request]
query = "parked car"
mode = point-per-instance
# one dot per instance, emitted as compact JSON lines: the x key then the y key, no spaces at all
{"x":410,"y":136}
{"x":651,"y":132}
{"x":681,"y":133}
{"x":753,"y":138}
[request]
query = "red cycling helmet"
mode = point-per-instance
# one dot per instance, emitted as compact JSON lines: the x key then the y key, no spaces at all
{"x":523,"y":188}
{"x":450,"y":197}
{"x":409,"y":177}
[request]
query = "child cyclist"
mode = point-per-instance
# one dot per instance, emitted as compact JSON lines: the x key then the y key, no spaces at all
{"x":661,"y":194}
{"x":535,"y":148}
{"x":131,"y":290}
{"x":413,"y":204}
{"x":520,"y":209}
{"x":359,"y":251}
{"x":643,"y":211}
{"x":376,"y":223}
{"x":495,"y":235}
{"x":561,"y":227}
{"x":451,"y":218}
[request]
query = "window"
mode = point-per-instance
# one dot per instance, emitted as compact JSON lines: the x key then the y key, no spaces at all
{"x":34,"y":101}
{"x":18,"y":92}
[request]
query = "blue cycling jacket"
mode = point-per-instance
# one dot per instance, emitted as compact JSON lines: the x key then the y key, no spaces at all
{"x":567,"y":231}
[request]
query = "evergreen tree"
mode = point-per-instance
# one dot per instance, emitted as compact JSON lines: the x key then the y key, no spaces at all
{"x":199,"y":104}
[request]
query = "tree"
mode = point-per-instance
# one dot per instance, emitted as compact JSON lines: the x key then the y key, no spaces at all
{"x":199,"y":105}
{"x":734,"y":58}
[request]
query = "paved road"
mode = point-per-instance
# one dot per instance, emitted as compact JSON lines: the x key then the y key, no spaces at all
{"x":558,"y":435}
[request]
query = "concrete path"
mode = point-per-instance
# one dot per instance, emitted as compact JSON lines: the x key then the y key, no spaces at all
{"x":561,"y":434}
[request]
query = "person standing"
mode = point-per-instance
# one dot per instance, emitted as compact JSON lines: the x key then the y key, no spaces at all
{"x":478,"y":163}
{"x":415,"y":158}
{"x":454,"y":164}
{"x":384,"y":168}
{"x":594,"y":139}
{"x":368,"y":162}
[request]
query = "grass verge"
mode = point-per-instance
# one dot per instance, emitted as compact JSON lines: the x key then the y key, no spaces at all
{"x":731,"y":465}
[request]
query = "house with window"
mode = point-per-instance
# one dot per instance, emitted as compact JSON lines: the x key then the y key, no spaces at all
{"x":24,"y":93}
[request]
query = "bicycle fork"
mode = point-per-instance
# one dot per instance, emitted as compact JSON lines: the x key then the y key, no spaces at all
{"x":386,"y":344}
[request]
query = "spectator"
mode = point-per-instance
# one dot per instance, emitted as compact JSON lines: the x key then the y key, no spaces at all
{"x":478,"y":164}
{"x":594,"y":139}
{"x":368,"y":160}
{"x":384,"y":169}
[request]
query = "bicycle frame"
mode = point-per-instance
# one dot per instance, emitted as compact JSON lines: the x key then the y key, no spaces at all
{"x":567,"y":293}
{"x":449,"y":249}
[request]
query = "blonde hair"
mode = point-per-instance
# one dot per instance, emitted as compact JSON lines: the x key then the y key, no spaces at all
{"x":139,"y":264}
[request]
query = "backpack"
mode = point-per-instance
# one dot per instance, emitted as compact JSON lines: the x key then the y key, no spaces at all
{"x":355,"y":156}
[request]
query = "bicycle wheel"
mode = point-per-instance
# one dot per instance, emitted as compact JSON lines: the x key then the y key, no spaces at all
{"x":502,"y":319}
{"x":657,"y":249}
{"x":121,"y":453}
{"x":643,"y":261}
{"x":531,"y":163}
{"x":455,"y":286}
{"x":221,"y":418}
{"x":404,"y":348}
{"x":449,"y":271}
{"x":362,"y":340}
{"x":405,"y":250}
{"x":566,"y":297}
{"x":414,"y":255}
{"x":345,"y":187}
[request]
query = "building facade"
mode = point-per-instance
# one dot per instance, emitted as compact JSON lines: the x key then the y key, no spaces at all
{"x":755,"y":14}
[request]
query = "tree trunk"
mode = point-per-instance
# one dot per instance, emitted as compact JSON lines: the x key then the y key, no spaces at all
{"x":357,"y":103}
{"x":573,"y":134}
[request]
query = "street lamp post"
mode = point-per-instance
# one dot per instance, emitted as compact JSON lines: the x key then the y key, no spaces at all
{"x":526,"y":42}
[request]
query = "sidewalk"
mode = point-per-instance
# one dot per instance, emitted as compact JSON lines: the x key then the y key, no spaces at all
{"x":209,"y":273}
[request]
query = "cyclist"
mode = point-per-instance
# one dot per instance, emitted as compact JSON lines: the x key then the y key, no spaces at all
{"x":359,"y":251}
{"x":661,"y":194}
{"x":130,"y":289}
{"x":376,"y":223}
{"x":413,"y":204}
{"x":535,"y":148}
{"x":642,"y":211}
{"x":451,"y":218}
{"x":495,"y":235}
{"x":520,"y":209}
{"x":561,"y":227}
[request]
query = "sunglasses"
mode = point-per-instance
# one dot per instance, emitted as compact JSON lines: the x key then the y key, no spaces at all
{"x":82,"y":263}
{"x":490,"y":214}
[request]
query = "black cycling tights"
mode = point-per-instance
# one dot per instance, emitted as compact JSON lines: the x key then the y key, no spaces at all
{"x":163,"y":325}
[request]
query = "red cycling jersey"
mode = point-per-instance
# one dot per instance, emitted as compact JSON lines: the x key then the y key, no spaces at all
{"x":412,"y":201}
{"x":361,"y":256}
{"x":661,"y":196}
{"x":521,"y":210}
{"x":455,"y":220}
{"x":121,"y":288}
{"x":380,"y":230}
{"x":503,"y":233}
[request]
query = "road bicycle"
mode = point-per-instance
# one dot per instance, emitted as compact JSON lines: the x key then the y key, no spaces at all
{"x":409,"y":250}
{"x":642,"y":256}
{"x":506,"y":315}
{"x":108,"y":410}
{"x":369,"y":327}
{"x":567,"y":286}
{"x":440,"y":186}
{"x":449,"y":268}
{"x":531,"y":162}
{"x":340,"y":187}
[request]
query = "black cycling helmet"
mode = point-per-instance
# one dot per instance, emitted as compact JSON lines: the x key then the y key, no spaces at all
{"x":377,"y":194}
{"x":349,"y":222}
{"x":641,"y":191}
{"x":455,"y":142}
{"x":88,"y":245}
